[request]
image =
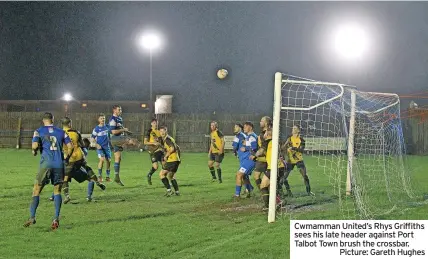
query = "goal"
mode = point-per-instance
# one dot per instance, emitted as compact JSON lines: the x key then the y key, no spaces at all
{"x":354,"y":144}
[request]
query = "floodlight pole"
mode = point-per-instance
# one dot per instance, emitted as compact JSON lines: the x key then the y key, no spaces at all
{"x":66,"y":108}
{"x":151,"y":84}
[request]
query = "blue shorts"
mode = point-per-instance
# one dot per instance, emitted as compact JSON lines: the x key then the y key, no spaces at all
{"x":104,"y":152}
{"x":247,"y":167}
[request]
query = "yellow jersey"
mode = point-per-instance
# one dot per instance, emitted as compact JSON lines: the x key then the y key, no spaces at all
{"x":260,"y":143}
{"x":76,"y":139}
{"x":170,"y":146}
{"x":268,"y":152}
{"x":297,"y":143}
{"x":153,"y":135}
{"x":217,"y":141}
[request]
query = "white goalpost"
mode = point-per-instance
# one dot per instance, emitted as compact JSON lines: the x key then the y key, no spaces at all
{"x":353,"y":138}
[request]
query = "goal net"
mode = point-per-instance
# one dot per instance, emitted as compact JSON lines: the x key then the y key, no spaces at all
{"x":354,"y":146}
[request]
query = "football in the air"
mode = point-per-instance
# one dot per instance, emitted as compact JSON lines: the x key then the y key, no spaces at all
{"x":222,"y":73}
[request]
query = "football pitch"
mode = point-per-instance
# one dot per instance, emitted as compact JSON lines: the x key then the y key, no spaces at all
{"x":137,"y":221}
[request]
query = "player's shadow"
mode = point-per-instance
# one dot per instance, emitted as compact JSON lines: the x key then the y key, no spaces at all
{"x":186,"y":185}
{"x":303,"y":201}
{"x":123,"y":219}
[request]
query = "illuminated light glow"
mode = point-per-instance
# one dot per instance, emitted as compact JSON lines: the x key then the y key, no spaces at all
{"x":68,"y":97}
{"x":351,"y":41}
{"x":143,"y":105}
{"x":150,"y":41}
{"x":84,"y":104}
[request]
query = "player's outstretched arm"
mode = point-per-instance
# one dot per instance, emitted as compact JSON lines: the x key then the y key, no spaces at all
{"x":259,"y":153}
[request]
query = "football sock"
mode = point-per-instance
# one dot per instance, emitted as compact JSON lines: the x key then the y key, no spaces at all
{"x":258,"y":182}
{"x":100,"y":172}
{"x":90,"y":188}
{"x":152,"y":171}
{"x":219,"y":173}
{"x":174,"y":184}
{"x":65,"y":189}
{"x":108,"y":172}
{"x":287,"y":185}
{"x":33,"y":206}
{"x":278,"y":186}
{"x":238,"y":190}
{"x":212,"y":171}
{"x":308,"y":186}
{"x":249,"y":187}
{"x":116,"y":168}
{"x":166,"y":183}
{"x":265,"y":195}
{"x":58,"y":202}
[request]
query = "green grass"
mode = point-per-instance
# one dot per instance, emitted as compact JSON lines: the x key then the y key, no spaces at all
{"x":137,"y":221}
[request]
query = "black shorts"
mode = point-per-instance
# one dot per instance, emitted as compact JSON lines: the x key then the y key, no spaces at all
{"x":261,"y":167}
{"x":171,"y":166}
{"x":299,"y":165}
{"x":216,"y":157}
{"x":53,"y":175}
{"x":73,"y":166}
{"x":156,"y":156}
{"x":79,"y":171}
{"x":281,"y":173}
{"x":80,"y":175}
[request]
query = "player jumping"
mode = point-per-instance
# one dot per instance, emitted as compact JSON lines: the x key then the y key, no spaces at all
{"x":77,"y":167}
{"x":118,"y":140}
{"x":49,"y":139}
{"x":152,"y":141}
{"x":172,"y":161}
{"x":100,"y":135}
{"x":216,"y":152}
{"x":246,"y":164}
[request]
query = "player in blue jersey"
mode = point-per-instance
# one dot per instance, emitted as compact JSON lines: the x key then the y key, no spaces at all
{"x":246,"y":164}
{"x":118,"y":139}
{"x":238,"y":142}
{"x":101,"y":136}
{"x":49,"y":140}
{"x":239,"y":139}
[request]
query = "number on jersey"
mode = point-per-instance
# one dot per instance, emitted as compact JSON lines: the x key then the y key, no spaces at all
{"x":53,"y":141}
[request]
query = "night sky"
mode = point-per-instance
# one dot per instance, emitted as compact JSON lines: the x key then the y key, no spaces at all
{"x":90,"y":50}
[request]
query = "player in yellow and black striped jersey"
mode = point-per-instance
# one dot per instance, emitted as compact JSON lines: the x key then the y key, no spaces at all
{"x":77,"y":167}
{"x":294,"y":146}
{"x":152,"y":140}
{"x":171,"y":162}
{"x":266,"y":150}
{"x":216,"y":152}
{"x":261,"y":164}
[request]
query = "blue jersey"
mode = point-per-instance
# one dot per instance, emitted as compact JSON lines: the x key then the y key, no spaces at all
{"x":116,"y":123}
{"x":101,"y":134}
{"x":51,"y":140}
{"x":250,"y":147}
{"x":238,"y":142}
